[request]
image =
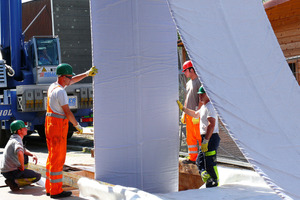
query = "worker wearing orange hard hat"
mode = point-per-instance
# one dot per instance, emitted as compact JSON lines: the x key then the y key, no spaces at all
{"x":57,"y":121}
{"x":191,"y":102}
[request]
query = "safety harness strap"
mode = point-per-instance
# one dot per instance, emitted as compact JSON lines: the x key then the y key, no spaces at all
{"x":56,"y":115}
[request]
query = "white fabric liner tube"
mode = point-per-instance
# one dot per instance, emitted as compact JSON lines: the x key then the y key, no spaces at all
{"x":135,"y":114}
{"x":244,"y":72}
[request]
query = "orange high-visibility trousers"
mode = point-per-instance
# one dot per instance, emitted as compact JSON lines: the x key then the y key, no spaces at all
{"x":56,"y":129}
{"x":56,"y":135}
{"x":192,"y":136}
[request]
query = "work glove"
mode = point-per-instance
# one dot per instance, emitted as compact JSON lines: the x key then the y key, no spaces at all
{"x":92,"y":72}
{"x":180,"y":105}
{"x":204,"y":145}
{"x":183,"y":118}
{"x":79,"y":129}
{"x":195,"y":120}
{"x":205,"y":176}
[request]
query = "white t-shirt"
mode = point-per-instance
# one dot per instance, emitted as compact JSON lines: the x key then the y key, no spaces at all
{"x":10,"y":160}
{"x":206,"y":111}
{"x":58,"y":98}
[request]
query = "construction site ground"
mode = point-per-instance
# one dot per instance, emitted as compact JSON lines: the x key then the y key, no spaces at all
{"x":80,"y":163}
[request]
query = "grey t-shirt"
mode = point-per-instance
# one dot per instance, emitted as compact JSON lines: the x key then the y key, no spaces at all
{"x":10,"y":161}
{"x":192,"y":97}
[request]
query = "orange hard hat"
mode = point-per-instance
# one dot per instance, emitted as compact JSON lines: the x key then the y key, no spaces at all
{"x":186,"y":65}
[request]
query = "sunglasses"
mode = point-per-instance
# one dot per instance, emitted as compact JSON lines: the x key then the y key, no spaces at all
{"x":187,"y":69}
{"x":69,"y":77}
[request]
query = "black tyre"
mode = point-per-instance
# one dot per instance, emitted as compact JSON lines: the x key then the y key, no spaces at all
{"x":71,"y":131}
{"x":41,"y":131}
{"x":4,"y":137}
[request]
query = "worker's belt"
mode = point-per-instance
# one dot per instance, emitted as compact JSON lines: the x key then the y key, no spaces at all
{"x":56,"y":115}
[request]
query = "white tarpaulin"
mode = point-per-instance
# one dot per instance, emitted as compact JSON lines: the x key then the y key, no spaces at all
{"x":244,"y":72}
{"x":238,"y":184}
{"x":135,"y":114}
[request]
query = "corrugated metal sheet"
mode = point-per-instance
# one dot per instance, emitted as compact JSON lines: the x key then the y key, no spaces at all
{"x":72,"y":25}
{"x":43,"y":24}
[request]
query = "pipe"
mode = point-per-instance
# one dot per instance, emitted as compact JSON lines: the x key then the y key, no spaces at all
{"x":4,"y":20}
{"x":15,"y":7}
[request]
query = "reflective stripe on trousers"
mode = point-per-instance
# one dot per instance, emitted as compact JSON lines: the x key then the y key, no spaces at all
{"x":208,"y":160}
{"x":54,"y":177}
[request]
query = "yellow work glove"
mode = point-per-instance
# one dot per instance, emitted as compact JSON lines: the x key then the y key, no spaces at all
{"x":205,"y":176}
{"x":195,"y":120}
{"x":204,"y":145}
{"x":180,"y":105}
{"x":92,"y":72}
{"x":79,"y":129}
{"x":183,"y":118}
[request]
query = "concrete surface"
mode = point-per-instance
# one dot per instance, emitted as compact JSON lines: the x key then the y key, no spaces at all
{"x":75,"y":157}
{"x":31,"y":192}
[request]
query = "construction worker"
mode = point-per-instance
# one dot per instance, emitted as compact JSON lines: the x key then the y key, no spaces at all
{"x":209,"y":129}
{"x":57,"y":123}
{"x":192,"y":102}
{"x":13,"y":166}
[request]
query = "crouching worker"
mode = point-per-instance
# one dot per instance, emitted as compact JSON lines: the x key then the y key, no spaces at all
{"x":15,"y":158}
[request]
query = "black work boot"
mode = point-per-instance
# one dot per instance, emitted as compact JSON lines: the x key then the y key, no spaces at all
{"x":212,"y":183}
{"x":61,"y":195}
{"x":12,"y":185}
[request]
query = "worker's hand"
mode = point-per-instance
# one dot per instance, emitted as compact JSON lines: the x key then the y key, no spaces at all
{"x":204,"y":145}
{"x":35,"y":159}
{"x":195,"y":120}
{"x":79,"y":129}
{"x":92,"y":72}
{"x":180,"y":105}
{"x":183,"y":118}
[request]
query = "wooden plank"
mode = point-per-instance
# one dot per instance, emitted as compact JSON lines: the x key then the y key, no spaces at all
{"x":290,"y":46}
{"x":278,"y":24}
{"x":291,"y":52}
{"x":189,"y":177}
{"x":284,"y":14}
{"x":288,"y":33}
{"x":282,"y":8}
{"x":288,"y":40}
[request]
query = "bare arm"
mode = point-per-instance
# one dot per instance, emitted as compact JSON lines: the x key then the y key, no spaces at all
{"x":21,"y":160}
{"x":91,"y":72}
{"x":210,"y":127}
{"x":199,"y":105}
{"x":69,"y":114}
{"x":78,"y":78}
{"x":190,"y":112}
{"x":28,"y":153}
